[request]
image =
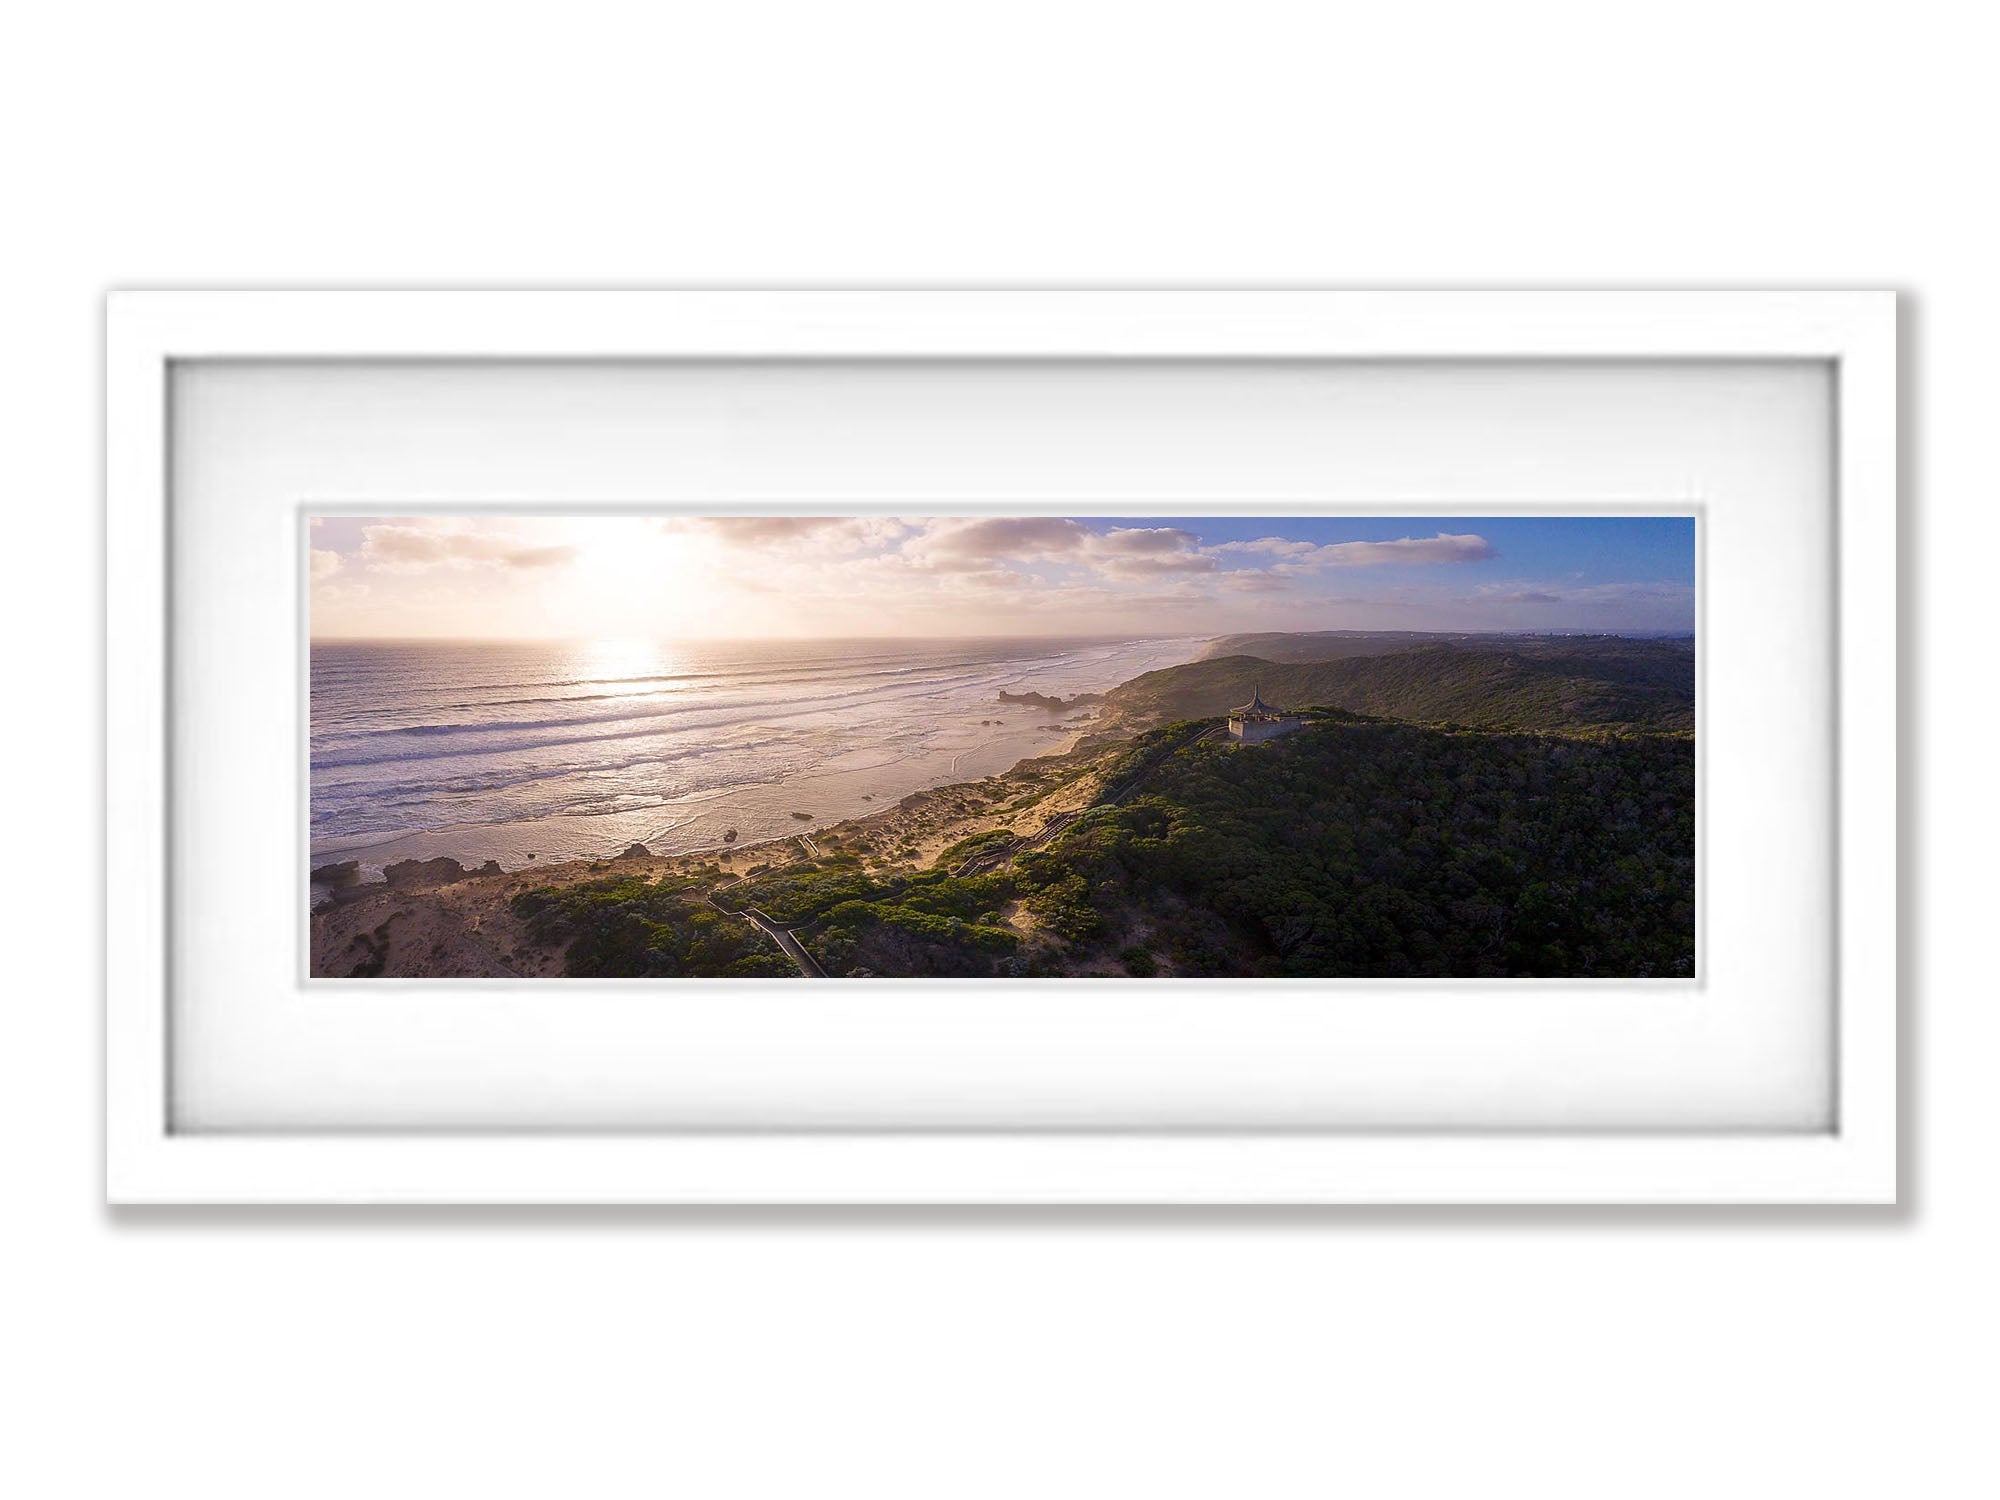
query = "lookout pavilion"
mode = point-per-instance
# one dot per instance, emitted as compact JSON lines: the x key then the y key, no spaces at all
{"x":1257,"y":721}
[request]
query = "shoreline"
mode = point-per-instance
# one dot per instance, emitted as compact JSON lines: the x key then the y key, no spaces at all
{"x":968,"y":742}
{"x":721,"y":847}
{"x":438,"y":918}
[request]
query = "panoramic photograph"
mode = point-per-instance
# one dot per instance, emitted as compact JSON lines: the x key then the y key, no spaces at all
{"x":805,"y":747}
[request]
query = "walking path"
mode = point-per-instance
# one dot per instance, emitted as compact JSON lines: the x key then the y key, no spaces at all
{"x":776,"y":931}
{"x":782,"y":936}
{"x":978,"y":864}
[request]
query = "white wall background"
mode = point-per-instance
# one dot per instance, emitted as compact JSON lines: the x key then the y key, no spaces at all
{"x":1376,"y":1354}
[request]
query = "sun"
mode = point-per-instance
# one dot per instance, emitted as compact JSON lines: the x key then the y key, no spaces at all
{"x":631,"y":579}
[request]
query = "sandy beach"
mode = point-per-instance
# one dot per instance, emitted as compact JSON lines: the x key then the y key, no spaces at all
{"x":532,"y":760}
{"x":849,"y":786}
{"x":443,"y":916}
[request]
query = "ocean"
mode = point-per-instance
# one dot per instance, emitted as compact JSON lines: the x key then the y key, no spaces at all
{"x":528,"y":752}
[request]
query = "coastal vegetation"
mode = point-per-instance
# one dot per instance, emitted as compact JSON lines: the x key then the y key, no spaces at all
{"x":1358,"y":847}
{"x":1366,"y":849}
{"x":1328,"y":645}
{"x":372,"y":949}
{"x":1509,"y":682}
{"x":1379,"y":849}
{"x":634,"y":926}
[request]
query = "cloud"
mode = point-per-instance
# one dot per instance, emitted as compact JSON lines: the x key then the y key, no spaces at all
{"x":992,"y":579}
{"x":753,"y":529}
{"x":957,"y":545}
{"x":845,"y":532}
{"x":1585,"y":594}
{"x":537,"y":557}
{"x":1275,"y":546}
{"x":1123,"y":553}
{"x":1143,"y":541}
{"x":1445,"y":547}
{"x":1137,"y":552}
{"x":395,"y":547}
{"x":1253,"y":581}
{"x":324,"y":563}
{"x":1155,"y":566}
{"x":1612,"y":593}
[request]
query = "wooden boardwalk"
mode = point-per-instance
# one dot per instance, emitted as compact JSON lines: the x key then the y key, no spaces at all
{"x":786,"y":935}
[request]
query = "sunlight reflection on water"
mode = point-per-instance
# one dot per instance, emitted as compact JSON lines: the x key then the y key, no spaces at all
{"x":510,"y":749}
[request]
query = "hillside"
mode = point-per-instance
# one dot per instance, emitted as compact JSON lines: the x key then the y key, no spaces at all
{"x":1473,"y":808}
{"x":1385,"y":849}
{"x":1544,"y":683}
{"x":1349,"y":849}
{"x":1322,"y":645}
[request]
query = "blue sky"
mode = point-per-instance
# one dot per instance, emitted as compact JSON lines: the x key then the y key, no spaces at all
{"x":1603,"y":549}
{"x":997,"y":575}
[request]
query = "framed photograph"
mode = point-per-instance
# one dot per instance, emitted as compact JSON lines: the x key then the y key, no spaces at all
{"x":1002,"y":747}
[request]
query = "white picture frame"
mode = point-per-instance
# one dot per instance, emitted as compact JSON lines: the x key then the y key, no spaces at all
{"x":1852,"y":1161}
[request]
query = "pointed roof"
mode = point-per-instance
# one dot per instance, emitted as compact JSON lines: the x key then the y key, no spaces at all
{"x":1256,"y":705}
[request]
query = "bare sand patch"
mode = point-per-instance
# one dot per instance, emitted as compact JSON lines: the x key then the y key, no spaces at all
{"x":464,"y":927}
